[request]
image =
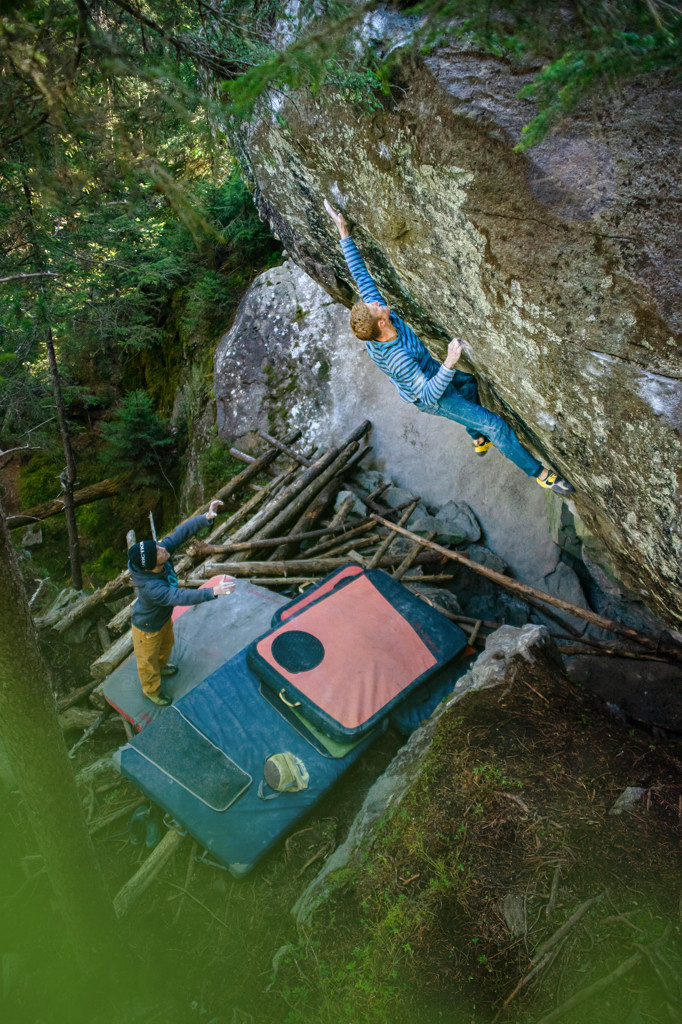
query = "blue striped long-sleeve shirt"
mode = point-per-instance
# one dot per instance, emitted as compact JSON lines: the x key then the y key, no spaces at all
{"x":415,"y":374}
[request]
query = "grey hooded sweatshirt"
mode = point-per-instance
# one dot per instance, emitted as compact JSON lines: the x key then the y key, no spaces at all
{"x":158,"y":592}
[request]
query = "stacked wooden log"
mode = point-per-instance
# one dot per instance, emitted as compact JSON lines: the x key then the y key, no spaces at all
{"x":283,"y":533}
{"x":280,"y":533}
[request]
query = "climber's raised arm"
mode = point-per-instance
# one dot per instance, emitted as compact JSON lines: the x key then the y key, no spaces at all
{"x":357,"y":266}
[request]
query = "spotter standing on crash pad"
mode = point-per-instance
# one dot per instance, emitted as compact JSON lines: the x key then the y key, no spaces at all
{"x":432,"y":387}
{"x":156,"y":583}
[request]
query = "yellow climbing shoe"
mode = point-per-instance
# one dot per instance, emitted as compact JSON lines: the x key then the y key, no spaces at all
{"x":556,"y":483}
{"x":482,"y":445}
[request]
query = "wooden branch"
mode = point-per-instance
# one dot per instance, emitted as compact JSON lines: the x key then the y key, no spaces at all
{"x":566,"y":927}
{"x":77,"y":718}
{"x":23,"y":449}
{"x":364,"y":527}
{"x":72,"y":698}
{"x":188,"y":878}
{"x":307,"y":487}
{"x":202,"y":548}
{"x":592,"y":990}
{"x":237,"y":482}
{"x":296,"y":565}
{"x":90,"y":731}
{"x":143,"y":878}
{"x":93,"y":772}
{"x":660,"y":645}
{"x":242,"y":456}
{"x":284,"y":581}
{"x":385,"y":545}
{"x":119,"y":620}
{"x":95,"y":492}
{"x":108,"y":819}
{"x":270,"y":490}
{"x":605,"y":651}
{"x":280,"y":510}
{"x":307,"y":519}
{"x":546,"y":959}
{"x":343,"y":548}
{"x":285,"y":449}
{"x":410,"y":557}
{"x":465,"y":620}
{"x":108,"y":661}
{"x":339,"y":517}
{"x":560,"y":621}
{"x":24,"y":277}
{"x":440,"y":577}
{"x":85,"y":605}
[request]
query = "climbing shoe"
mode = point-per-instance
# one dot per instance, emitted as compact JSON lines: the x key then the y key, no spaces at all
{"x":556,"y":483}
{"x":169,"y":670}
{"x":160,"y":699}
{"x":482,"y":445}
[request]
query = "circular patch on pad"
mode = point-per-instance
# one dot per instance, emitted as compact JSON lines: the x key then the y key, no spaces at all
{"x":297,"y":651}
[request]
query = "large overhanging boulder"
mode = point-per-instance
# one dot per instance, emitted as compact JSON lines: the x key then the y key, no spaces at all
{"x":561,"y":268}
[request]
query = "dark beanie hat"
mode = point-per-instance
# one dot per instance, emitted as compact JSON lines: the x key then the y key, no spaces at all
{"x":143,"y":556}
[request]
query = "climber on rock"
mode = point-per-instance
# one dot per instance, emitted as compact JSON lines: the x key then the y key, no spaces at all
{"x":156,"y":583}
{"x":433,"y":387}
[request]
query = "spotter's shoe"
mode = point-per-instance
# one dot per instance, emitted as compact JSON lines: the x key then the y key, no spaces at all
{"x":160,"y":699}
{"x":482,"y":445}
{"x":556,"y":483}
{"x":169,"y":670}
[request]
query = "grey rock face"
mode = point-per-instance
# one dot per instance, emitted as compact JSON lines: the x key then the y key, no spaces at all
{"x":562,"y":268}
{"x":272,"y":367}
{"x":563,"y":582}
{"x":481,"y":554}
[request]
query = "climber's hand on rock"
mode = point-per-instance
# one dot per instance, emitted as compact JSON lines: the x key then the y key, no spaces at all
{"x":338,"y":219}
{"x":454,"y":352}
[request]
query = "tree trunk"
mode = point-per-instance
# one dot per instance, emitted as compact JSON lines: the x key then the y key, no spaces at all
{"x":103,"y":489}
{"x":68,"y":477}
{"x":30,"y":732}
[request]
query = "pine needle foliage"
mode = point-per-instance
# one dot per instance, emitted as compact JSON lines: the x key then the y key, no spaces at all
{"x":138,"y":440}
{"x":590,"y":49}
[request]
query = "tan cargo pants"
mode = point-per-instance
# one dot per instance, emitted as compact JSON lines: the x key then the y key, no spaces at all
{"x":152,"y":651}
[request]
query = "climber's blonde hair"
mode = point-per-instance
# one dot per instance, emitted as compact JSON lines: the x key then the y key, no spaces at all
{"x":363,"y":322}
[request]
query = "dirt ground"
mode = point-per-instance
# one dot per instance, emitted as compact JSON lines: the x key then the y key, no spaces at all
{"x":458,"y":912}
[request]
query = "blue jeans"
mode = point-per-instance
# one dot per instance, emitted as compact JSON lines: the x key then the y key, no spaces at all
{"x":460,"y":403}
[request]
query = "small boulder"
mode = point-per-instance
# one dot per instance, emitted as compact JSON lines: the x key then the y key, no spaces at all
{"x":454,"y":523}
{"x":459,"y":518}
{"x":484,"y":556}
{"x":356,"y":509}
{"x":627,"y":800}
{"x":439,"y":596}
{"x":368,"y":480}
